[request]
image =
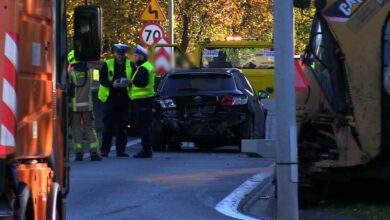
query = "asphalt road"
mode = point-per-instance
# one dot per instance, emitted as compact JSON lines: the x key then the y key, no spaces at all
{"x":184,"y":185}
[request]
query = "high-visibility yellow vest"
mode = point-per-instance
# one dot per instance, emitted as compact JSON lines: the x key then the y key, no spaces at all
{"x":104,"y":92}
{"x":148,"y":91}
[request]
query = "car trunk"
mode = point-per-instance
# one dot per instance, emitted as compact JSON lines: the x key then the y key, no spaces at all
{"x":204,"y":115}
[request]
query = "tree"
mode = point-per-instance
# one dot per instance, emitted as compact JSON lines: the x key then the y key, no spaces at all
{"x":303,"y":23}
{"x":194,"y":21}
{"x":216,"y":20}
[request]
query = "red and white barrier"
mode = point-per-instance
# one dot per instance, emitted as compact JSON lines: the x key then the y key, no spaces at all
{"x":9,"y":98}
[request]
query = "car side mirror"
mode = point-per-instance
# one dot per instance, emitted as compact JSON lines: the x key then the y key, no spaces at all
{"x":270,"y":90}
{"x":87,"y":33}
{"x":263,"y":94}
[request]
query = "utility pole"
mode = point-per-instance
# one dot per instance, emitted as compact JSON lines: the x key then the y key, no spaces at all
{"x":287,"y":167}
{"x":171,"y":18}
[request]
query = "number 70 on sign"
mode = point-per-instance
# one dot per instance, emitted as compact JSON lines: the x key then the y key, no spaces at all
{"x":149,"y":32}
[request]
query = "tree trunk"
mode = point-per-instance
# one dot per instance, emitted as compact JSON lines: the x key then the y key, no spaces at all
{"x":184,"y":37}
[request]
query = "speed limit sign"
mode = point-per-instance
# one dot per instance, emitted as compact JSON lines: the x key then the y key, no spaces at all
{"x":149,"y":32}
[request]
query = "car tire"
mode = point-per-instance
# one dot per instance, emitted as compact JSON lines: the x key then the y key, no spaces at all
{"x":260,"y":127}
{"x":159,"y":136}
{"x":247,"y":129}
{"x":204,"y":146}
{"x":253,"y":130}
{"x":174,"y":146}
{"x":25,"y":211}
{"x":247,"y":132}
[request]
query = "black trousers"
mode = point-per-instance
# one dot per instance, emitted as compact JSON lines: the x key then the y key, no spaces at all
{"x":143,"y":114}
{"x":115,"y":122}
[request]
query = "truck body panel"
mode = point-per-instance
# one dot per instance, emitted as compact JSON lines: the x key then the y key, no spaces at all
{"x":35,"y":112}
{"x":30,"y":40}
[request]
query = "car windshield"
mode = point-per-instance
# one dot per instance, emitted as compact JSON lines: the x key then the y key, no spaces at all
{"x":198,"y":82}
{"x":243,"y":58}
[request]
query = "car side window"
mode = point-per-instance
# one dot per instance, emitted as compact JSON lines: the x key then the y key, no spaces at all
{"x":246,"y":83}
{"x":239,"y":83}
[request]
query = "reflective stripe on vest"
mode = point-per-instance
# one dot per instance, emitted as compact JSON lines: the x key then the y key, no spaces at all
{"x":81,"y":94}
{"x":104,"y":92}
{"x":148,"y":91}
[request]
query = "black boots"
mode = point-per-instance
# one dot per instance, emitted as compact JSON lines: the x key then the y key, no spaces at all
{"x":105,"y":154}
{"x":95,"y":156}
{"x":123,"y":154}
{"x":144,"y":153}
{"x":79,"y":156}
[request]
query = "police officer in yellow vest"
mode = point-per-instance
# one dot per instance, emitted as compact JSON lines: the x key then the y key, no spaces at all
{"x":82,"y":119}
{"x":114,"y":92}
{"x":142,"y":95}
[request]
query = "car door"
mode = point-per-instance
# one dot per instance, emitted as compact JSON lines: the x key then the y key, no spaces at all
{"x":255,"y":106}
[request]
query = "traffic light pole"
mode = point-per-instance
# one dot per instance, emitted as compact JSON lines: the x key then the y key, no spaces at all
{"x":171,"y":21}
{"x":287,"y":168}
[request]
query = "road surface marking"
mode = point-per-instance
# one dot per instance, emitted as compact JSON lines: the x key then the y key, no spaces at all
{"x":229,"y":205}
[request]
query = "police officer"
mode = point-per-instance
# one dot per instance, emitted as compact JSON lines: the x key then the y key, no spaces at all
{"x":142,"y":95}
{"x":114,"y":92}
{"x":82,"y":119}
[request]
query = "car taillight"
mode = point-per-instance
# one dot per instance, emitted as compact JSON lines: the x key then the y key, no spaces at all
{"x":230,"y":100}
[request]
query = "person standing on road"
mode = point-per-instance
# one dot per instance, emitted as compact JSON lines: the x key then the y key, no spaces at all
{"x":82,"y":118}
{"x":114,"y":92}
{"x":142,"y":95}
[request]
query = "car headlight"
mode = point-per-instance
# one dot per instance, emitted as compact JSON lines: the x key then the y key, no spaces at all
{"x":167,"y":103}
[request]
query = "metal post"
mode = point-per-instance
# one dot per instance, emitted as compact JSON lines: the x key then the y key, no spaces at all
{"x":171,"y":21}
{"x":287,"y":168}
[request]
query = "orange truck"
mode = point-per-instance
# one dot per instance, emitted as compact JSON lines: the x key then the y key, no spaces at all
{"x":34,"y":157}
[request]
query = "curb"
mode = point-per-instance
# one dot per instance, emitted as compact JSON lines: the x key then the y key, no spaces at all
{"x":262,"y":191}
{"x":230,"y":205}
{"x":261,"y":203}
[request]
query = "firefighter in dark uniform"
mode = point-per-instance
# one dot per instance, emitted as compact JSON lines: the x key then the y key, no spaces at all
{"x":114,"y":92}
{"x":142,"y":95}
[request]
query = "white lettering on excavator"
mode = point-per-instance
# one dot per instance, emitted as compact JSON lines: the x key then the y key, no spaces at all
{"x":346,"y":6}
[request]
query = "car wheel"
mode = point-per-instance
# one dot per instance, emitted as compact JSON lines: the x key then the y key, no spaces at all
{"x":204,"y":146}
{"x":260,"y":126}
{"x":24,"y":210}
{"x":159,"y":136}
{"x":174,"y":146}
{"x":253,"y":130}
{"x":247,"y":129}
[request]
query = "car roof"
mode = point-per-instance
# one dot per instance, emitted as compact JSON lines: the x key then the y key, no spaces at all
{"x":227,"y":71}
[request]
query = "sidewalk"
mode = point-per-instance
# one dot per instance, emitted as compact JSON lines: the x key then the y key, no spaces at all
{"x":262,"y":204}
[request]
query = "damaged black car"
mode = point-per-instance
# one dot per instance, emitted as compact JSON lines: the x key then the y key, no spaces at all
{"x":208,"y":107}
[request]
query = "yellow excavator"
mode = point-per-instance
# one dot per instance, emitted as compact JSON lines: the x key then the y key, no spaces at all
{"x":343,"y":115}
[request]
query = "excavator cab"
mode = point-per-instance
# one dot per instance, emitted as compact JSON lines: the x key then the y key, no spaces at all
{"x":343,"y":117}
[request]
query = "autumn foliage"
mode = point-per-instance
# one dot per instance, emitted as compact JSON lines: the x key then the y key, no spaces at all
{"x":194,"y":20}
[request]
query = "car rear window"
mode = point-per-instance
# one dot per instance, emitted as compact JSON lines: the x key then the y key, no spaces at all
{"x":199,"y":82}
